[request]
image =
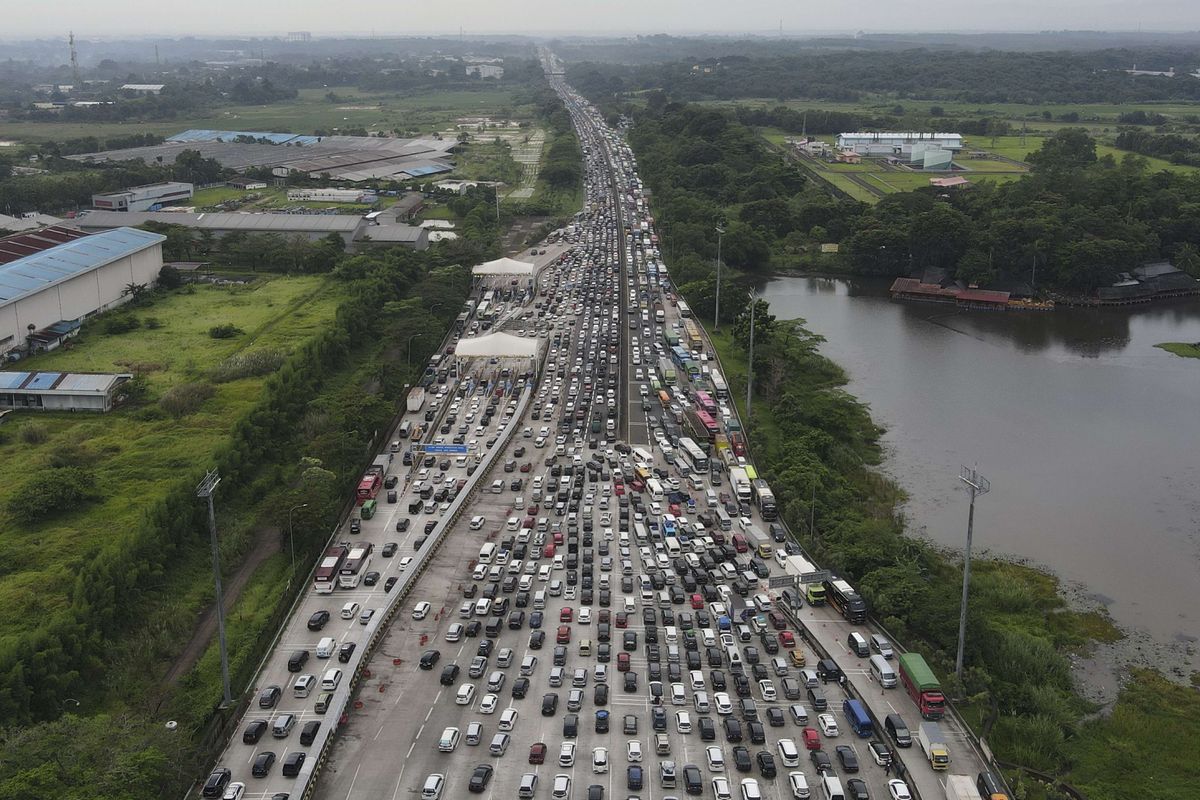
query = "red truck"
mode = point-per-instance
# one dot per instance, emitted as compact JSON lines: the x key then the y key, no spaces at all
{"x":738,"y":442}
{"x":922,"y":685}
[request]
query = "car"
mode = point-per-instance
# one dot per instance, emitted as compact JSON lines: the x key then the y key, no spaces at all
{"x":262,"y":764}
{"x":420,"y":610}
{"x":766,"y":764}
{"x":318,"y":620}
{"x":404,"y":563}
{"x":633,"y":751}
{"x":566,"y":754}
{"x":898,"y":790}
{"x":716,"y":758}
{"x":856,"y":789}
{"x":750,"y":790}
{"x":741,"y":759}
{"x":389,"y":583}
{"x":465,"y":694}
{"x":455,"y":632}
{"x":847,"y":757}
{"x":549,"y":704}
{"x":269,"y":696}
{"x":429,"y":658}
{"x":720,"y":787}
{"x":798,"y":783}
{"x":488,"y":704}
{"x":599,"y":760}
{"x":880,"y":752}
{"x":828,"y":725}
{"x":723,"y":703}
{"x":481,"y":776}
{"x":537,"y":753}
{"x":389,"y":549}
{"x":821,"y":762}
{"x":561,"y":786}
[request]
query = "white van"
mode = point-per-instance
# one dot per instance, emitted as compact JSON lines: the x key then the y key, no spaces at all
{"x":326,"y":647}
{"x":331,"y":679}
{"x":513,"y":523}
{"x":883,"y":672}
{"x":710,"y":499}
{"x":497,"y":486}
{"x":487,"y":552}
{"x":832,"y":787}
{"x":733,"y":654}
{"x":303,"y":685}
{"x":539,"y":599}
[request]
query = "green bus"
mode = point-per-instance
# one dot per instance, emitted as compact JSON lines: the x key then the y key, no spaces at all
{"x":368,"y":509}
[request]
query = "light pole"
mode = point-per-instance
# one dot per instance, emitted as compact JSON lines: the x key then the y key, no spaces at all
{"x":976,"y":485}
{"x":205,"y":490}
{"x":74,"y":703}
{"x":408,"y":347}
{"x":717,"y":312}
{"x":750,"y":360}
{"x":291,"y":538}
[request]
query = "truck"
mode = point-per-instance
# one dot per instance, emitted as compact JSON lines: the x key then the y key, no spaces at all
{"x":961,"y":787}
{"x":416,"y":399}
{"x":934,"y":744}
{"x":814,"y":592}
{"x":738,"y":442}
{"x":922,"y":686}
{"x":758,"y":539}
{"x":741,"y":483}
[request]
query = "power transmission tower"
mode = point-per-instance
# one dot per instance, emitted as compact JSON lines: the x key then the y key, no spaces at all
{"x":205,"y":490}
{"x":977,"y":485}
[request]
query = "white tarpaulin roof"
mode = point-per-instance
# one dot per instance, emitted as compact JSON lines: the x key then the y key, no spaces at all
{"x":504,"y":266}
{"x":497,"y":345}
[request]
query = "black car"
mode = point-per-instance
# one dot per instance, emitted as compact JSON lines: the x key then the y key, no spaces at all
{"x":766,"y":764}
{"x":345,"y":652}
{"x":658,"y":717}
{"x":429,"y":658}
{"x":480,"y":778}
{"x":269,"y":696}
{"x":820,"y":760}
{"x":549,"y":704}
{"x":254,"y":731}
{"x":449,"y":674}
{"x":371,"y":578}
{"x":262,"y":764}
{"x":741,"y":759}
{"x":733,"y":729}
{"x":600,"y":695}
{"x":537,"y":639}
{"x":520,"y":688}
{"x":391,"y":582}
{"x":308,"y":733}
{"x":708,"y":730}
{"x":775,"y":717}
{"x":758,"y":734}
{"x":401,"y":527}
{"x":856,"y":788}
{"x":848,"y":757}
{"x":318,"y":620}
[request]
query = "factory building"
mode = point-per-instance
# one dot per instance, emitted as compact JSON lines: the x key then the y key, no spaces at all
{"x":881,"y":144}
{"x":150,"y":197}
{"x":52,"y":279}
{"x":310,"y":226}
{"x":59,"y":391}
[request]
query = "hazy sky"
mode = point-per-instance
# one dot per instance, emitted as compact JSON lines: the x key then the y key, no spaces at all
{"x":323,"y":17}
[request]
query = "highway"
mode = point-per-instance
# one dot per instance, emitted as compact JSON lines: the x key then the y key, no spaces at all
{"x":583,"y":547}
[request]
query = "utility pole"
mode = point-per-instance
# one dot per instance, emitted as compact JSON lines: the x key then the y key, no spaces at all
{"x":717,"y":312}
{"x":750,"y":360}
{"x":977,"y":485}
{"x":205,"y":490}
{"x":291,"y":538}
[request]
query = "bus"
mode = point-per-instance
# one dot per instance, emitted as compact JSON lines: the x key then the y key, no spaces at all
{"x":355,"y":566}
{"x":692,"y":336}
{"x":328,"y":569}
{"x":679,"y":355}
{"x":846,"y":600}
{"x":710,"y":424}
{"x":765,"y":499}
{"x":720,"y":388}
{"x":706,"y":403}
{"x":694,"y":455}
{"x":693,"y":369}
{"x":685,"y":310}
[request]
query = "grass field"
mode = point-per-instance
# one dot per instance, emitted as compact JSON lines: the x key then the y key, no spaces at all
{"x":376,"y":111}
{"x":135,"y":453}
{"x":1181,"y":349}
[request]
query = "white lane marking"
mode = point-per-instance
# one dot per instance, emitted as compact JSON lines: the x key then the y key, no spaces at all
{"x":353,"y":780}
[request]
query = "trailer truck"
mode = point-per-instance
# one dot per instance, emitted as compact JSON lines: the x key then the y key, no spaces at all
{"x":934,"y":744}
{"x":960,"y":787}
{"x":922,"y":686}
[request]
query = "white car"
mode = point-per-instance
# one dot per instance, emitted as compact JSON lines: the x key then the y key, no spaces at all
{"x":716,"y":758}
{"x":683,"y":722}
{"x":480,"y":572}
{"x":799,"y":785}
{"x":678,"y":697}
{"x":767,"y":688}
{"x":585,"y":615}
{"x":723,"y":703}
{"x":350,"y":610}
{"x":421,"y":610}
{"x":633,"y":751}
{"x":898,"y":790}
{"x":721,"y":789}
{"x":234,"y":791}
{"x":404,"y":562}
{"x":466,"y":693}
{"x":599,"y":760}
{"x":750,"y":790}
{"x":508,"y":717}
{"x":562,"y":786}
{"x":566,"y":754}
{"x":478,"y":522}
{"x":455,"y":632}
{"x":827,"y":724}
{"x":788,"y":754}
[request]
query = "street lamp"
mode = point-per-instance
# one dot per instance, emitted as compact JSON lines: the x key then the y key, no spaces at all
{"x":74,"y":703}
{"x":750,"y":360}
{"x":408,"y":348}
{"x":717,"y":312}
{"x":291,"y":538}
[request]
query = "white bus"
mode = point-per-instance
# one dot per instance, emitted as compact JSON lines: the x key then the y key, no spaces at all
{"x":685,"y":310}
{"x":355,"y":566}
{"x":696,"y":457}
{"x":720,"y":388}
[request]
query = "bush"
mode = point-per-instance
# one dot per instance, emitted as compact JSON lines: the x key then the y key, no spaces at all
{"x":248,"y":365}
{"x":152,"y":323}
{"x":34,"y":433}
{"x":50,"y":491}
{"x":185,"y":398}
{"x":226,"y":331}
{"x":169,"y":278}
{"x":121,"y":323}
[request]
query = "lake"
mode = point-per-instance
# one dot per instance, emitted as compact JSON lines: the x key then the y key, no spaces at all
{"x":1089,"y":435}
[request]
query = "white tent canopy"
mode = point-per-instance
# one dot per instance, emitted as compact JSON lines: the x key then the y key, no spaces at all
{"x":504,"y":266}
{"x":498,"y":345}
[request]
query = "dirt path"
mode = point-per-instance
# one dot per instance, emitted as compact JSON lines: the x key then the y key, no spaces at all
{"x":265,"y":546}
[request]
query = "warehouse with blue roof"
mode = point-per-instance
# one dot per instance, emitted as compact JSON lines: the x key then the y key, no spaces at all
{"x":50,"y":283}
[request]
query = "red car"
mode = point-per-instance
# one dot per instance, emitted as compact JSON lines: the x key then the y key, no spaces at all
{"x":697,"y":602}
{"x":548,"y":550}
{"x":787,"y":639}
{"x":531,"y":510}
{"x":674,"y":509}
{"x":622,"y":619}
{"x":811,"y":740}
{"x":564,"y":634}
{"x":622,"y":662}
{"x":777,"y":620}
{"x":619,"y":489}
{"x":526,"y":467}
{"x":605,"y":616}
{"x":566,"y":615}
{"x":537,"y":753}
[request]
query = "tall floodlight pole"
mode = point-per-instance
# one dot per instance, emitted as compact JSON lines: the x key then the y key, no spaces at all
{"x":750,"y":360}
{"x":717,"y":312}
{"x":205,"y":490}
{"x":291,"y":537}
{"x":977,"y":485}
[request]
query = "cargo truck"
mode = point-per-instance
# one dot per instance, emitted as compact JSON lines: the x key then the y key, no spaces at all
{"x":922,"y":686}
{"x":934,"y":745}
{"x":960,"y":787}
{"x":814,"y":592}
{"x":741,"y":483}
{"x":416,"y":399}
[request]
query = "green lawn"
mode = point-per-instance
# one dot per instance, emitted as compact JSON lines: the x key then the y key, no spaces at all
{"x":851,"y":188}
{"x":134,"y":453}
{"x":1181,"y":349}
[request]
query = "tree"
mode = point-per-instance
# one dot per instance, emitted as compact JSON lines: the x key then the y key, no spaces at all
{"x":169,"y":277}
{"x":1067,"y":149}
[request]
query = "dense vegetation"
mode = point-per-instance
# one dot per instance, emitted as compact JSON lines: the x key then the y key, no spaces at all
{"x":979,"y":77}
{"x":1178,"y":149}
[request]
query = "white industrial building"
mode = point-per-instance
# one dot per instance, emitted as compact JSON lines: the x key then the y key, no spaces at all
{"x":331,"y":196}
{"x":59,"y":391}
{"x":56,"y":285}
{"x":885,"y":143}
{"x":150,"y":197}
